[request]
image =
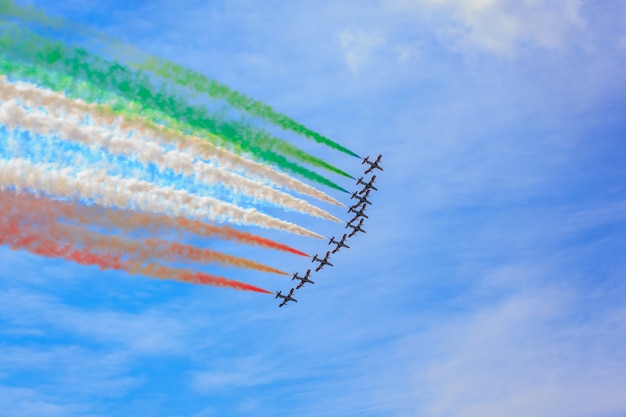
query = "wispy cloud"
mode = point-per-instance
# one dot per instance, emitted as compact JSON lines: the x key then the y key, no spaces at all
{"x":525,"y":355}
{"x":502,"y":26}
{"x":357,"y":46}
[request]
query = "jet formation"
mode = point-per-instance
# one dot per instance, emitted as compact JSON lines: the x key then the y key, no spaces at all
{"x":358,"y":209}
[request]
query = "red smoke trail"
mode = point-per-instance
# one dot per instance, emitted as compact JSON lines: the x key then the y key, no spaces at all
{"x":142,"y":250}
{"x":193,"y":277}
{"x":149,"y":249}
{"x":18,"y":234}
{"x":127,"y":220}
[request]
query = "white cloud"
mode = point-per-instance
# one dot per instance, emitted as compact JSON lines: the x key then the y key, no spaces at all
{"x":501,"y":26}
{"x":358,"y":46}
{"x":527,"y":356}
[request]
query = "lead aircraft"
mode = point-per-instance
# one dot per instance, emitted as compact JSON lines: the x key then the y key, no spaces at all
{"x":372,"y":164}
{"x":286,"y":298}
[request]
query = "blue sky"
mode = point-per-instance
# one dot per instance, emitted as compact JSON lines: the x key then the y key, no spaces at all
{"x":490,"y":280}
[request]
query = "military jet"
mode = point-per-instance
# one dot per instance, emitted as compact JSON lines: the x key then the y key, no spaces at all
{"x":322,"y":262}
{"x":355,"y":218}
{"x":372,"y":164}
{"x":356,"y":228}
{"x":354,"y":210}
{"x":340,"y":243}
{"x":362,"y":199}
{"x":367,"y":185}
{"x":287,"y":297}
{"x":303,"y":279}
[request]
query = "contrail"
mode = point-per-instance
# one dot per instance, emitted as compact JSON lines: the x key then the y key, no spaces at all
{"x":14,"y":116}
{"x":136,"y":86}
{"x":20,"y":236}
{"x":183,"y":76}
{"x":61,"y":105}
{"x":114,"y":220}
{"x":110,"y":191}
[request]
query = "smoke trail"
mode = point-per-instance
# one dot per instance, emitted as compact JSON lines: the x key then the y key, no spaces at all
{"x":14,"y":116}
{"x":199,"y":82}
{"x":183,"y":76}
{"x":148,"y":249}
{"x":18,"y":235}
{"x":112,"y":191}
{"x":59,"y":82}
{"x":136,"y":86}
{"x":141,"y":250}
{"x":127,"y":220}
{"x":186,"y":275}
{"x":60,"y":105}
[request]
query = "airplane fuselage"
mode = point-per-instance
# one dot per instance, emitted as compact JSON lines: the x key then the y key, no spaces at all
{"x":339,"y":244}
{"x":359,"y":213}
{"x":367,"y":187}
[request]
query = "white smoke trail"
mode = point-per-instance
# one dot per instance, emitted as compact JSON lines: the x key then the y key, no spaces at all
{"x":14,"y":116}
{"x":62,"y":106}
{"x":110,"y":191}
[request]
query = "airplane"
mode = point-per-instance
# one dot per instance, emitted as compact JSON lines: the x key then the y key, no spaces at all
{"x":355,"y":218}
{"x":368,"y":185}
{"x":356,"y":228}
{"x":341,"y":243}
{"x":353,"y":209}
{"x":303,"y":279}
{"x":287,"y":297}
{"x":362,"y":199}
{"x":372,"y":164}
{"x":322,"y":261}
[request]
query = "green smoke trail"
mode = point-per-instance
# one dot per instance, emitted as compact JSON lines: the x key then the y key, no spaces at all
{"x":102,"y":79}
{"x":249,"y":133}
{"x":180,"y":75}
{"x":199,"y":82}
{"x":137,"y":87}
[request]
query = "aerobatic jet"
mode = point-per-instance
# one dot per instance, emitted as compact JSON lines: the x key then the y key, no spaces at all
{"x":367,"y":185}
{"x":356,"y":228}
{"x":362,"y":199}
{"x":340,"y":243}
{"x":322,"y":262}
{"x":303,"y":279}
{"x":372,"y":164}
{"x":354,"y":210}
{"x":286,"y":298}
{"x":355,"y":218}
